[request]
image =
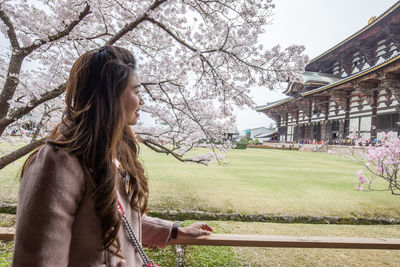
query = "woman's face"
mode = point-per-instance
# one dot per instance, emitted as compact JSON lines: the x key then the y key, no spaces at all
{"x":132,"y":99}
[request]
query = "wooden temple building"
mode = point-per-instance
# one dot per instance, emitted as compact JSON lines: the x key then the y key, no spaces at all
{"x":354,"y":87}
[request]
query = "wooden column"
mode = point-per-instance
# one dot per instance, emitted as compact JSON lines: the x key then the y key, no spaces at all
{"x":374,"y":114}
{"x":297,"y":127}
{"x":341,"y":98}
{"x":398,"y":121}
{"x":278,"y":126}
{"x":396,"y":92}
{"x":327,"y":109}
{"x":286,"y":124}
{"x":342,"y":128}
{"x":310,"y":127}
{"x":347,"y":117}
{"x":392,"y":83}
{"x":325,"y":125}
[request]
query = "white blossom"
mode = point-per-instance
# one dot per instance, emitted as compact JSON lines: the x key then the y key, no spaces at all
{"x":197,"y":60}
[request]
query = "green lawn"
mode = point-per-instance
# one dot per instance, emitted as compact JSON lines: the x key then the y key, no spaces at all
{"x":259,"y":181}
{"x":266,"y":181}
{"x":254,"y":181}
{"x":314,"y":257}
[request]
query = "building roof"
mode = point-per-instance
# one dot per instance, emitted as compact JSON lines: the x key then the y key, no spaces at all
{"x":262,"y":127}
{"x":275,"y":103}
{"x":367,"y":27}
{"x":324,"y":81}
{"x":317,"y":77}
{"x":393,"y":58}
{"x":266,"y":134}
{"x":313,"y":78}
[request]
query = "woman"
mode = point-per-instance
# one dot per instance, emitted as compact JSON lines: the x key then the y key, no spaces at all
{"x":75,"y":187}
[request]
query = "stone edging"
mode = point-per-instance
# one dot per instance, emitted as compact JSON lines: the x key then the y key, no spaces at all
{"x":208,"y":216}
{"x":8,"y":208}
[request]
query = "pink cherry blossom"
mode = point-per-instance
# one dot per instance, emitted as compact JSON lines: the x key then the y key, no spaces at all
{"x":381,"y":160}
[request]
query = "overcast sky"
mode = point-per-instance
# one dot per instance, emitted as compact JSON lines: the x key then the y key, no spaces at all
{"x":318,"y":25}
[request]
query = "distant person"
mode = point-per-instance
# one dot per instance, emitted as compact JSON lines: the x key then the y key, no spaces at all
{"x":82,"y":191}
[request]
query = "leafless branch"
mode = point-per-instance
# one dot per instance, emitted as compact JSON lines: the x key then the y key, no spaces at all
{"x":162,"y":149}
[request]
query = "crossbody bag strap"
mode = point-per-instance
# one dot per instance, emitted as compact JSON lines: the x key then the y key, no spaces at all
{"x":133,"y":239}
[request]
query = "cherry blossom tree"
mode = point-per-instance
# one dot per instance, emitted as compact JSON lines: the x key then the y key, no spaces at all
{"x":197,"y":59}
{"x":381,"y":161}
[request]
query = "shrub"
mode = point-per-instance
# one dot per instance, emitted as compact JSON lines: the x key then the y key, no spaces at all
{"x":273,"y":147}
{"x":240,"y":146}
{"x":244,"y":140}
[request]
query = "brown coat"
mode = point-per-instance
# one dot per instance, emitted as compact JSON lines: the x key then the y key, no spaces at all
{"x":56,"y":221}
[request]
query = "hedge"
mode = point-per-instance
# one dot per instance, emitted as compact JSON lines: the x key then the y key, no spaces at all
{"x":273,"y":147}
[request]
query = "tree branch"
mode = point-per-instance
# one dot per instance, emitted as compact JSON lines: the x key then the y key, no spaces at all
{"x":162,"y":149}
{"x":173,"y":35}
{"x":5,"y":121}
{"x":132,"y":25}
{"x":13,"y":156}
{"x":14,"y":69}
{"x":11,"y":31}
{"x":59,"y":34}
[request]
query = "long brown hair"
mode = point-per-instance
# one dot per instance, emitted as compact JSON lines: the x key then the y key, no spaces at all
{"x":94,"y":128}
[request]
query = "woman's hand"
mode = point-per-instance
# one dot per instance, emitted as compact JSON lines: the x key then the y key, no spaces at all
{"x":194,"y":230}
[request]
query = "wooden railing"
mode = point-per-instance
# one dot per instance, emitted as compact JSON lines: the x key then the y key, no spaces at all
{"x":7,"y":234}
{"x":291,"y":241}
